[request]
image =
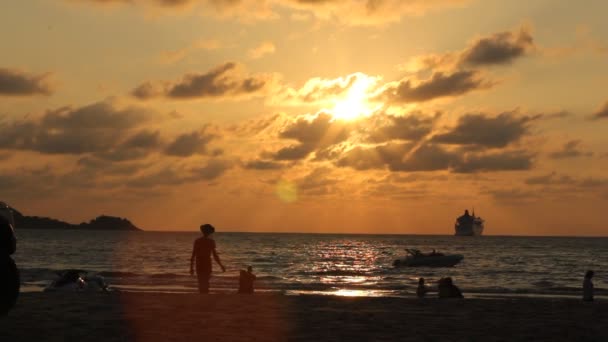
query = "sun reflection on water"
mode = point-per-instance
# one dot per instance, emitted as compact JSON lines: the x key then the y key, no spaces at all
{"x":353,"y":293}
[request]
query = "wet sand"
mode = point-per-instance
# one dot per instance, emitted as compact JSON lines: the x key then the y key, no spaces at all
{"x":232,"y":317}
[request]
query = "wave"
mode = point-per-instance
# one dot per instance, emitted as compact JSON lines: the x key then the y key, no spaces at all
{"x":118,"y":274}
{"x":336,"y":273}
{"x":166,"y":275}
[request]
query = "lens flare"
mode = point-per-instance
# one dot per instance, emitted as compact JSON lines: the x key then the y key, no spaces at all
{"x":287,"y":191}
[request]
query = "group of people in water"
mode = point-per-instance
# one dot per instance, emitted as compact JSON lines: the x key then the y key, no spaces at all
{"x":445,"y":289}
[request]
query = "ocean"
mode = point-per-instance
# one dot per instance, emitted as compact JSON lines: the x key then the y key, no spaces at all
{"x":350,"y":265}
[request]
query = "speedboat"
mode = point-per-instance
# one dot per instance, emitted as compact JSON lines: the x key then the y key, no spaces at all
{"x":77,"y":280}
{"x":433,"y":259}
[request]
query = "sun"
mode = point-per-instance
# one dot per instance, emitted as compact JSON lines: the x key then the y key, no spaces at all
{"x":354,"y":104}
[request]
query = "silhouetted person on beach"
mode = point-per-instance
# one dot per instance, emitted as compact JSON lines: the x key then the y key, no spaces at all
{"x":421,"y":290}
{"x":447,"y":289}
{"x":9,"y":275}
{"x":204,"y":247}
{"x":246,"y":279}
{"x":588,"y":287}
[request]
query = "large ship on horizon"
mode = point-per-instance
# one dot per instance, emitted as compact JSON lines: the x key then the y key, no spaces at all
{"x":468,"y":225}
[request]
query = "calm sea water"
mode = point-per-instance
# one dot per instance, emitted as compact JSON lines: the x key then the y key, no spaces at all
{"x":316,"y":263}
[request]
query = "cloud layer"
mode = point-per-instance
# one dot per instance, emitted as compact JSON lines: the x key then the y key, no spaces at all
{"x":224,"y":81}
{"x":18,"y":83}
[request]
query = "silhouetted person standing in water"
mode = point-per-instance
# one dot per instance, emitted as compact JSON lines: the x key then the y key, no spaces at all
{"x":246,"y":279}
{"x":447,"y":289}
{"x":588,"y":287}
{"x":421,"y":290}
{"x":9,"y":275}
{"x":204,"y":247}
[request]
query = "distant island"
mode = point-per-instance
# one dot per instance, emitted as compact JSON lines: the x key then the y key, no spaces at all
{"x":102,"y":222}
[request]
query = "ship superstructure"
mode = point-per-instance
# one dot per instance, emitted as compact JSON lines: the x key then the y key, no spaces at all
{"x":468,"y":225}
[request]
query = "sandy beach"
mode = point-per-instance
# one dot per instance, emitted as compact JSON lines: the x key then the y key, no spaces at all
{"x":232,"y":317}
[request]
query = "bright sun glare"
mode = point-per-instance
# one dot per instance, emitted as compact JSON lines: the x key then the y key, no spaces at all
{"x":354,"y":104}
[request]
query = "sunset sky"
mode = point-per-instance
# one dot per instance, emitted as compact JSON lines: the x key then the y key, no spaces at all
{"x":349,"y":116}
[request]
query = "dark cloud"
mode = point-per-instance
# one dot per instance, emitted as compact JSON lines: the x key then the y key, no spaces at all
{"x":91,"y":167}
{"x":428,"y":157}
{"x":212,"y":170}
{"x":16,"y":83}
{"x":318,"y":133}
{"x":513,"y":195}
{"x":167,"y":176}
{"x":188,"y":144}
{"x":563,"y":186}
{"x":318,"y":182}
{"x":320,"y":130}
{"x":143,"y":139}
{"x":176,"y":175}
{"x":398,"y":157}
{"x":499,"y":48}
{"x":485,"y":131}
{"x":225,"y":80}
{"x":571,"y":149}
{"x":176,"y":2}
{"x":550,"y":179}
{"x":137,"y":146}
{"x":98,"y":127}
{"x":432,"y":157}
{"x":391,"y":127}
{"x":263,"y":165}
{"x":439,"y":85}
{"x":499,"y":161}
{"x":148,"y":90}
{"x":28,"y":183}
{"x":602,"y":113}
{"x":377,"y":157}
{"x":103,"y":131}
{"x":295,"y":152}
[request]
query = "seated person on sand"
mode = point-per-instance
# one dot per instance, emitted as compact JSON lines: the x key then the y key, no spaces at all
{"x":447,"y":289}
{"x":246,"y":279}
{"x":588,"y":287}
{"x":421,"y":290}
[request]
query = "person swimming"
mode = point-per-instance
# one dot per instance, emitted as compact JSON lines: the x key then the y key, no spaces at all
{"x":246,"y":279}
{"x":421,"y":290}
{"x":204,"y":248}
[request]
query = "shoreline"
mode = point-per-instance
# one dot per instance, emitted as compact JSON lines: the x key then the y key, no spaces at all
{"x":128,"y":316}
{"x":600,"y":293}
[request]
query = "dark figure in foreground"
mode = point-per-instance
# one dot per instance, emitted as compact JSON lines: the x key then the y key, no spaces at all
{"x":204,"y":247}
{"x":421,"y":290}
{"x":246,"y":279}
{"x":447,"y":289}
{"x":9,"y":275}
{"x":588,"y":287}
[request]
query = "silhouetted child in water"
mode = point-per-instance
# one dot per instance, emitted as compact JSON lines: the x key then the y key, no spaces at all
{"x":204,"y":247}
{"x":421,"y":290}
{"x":246,"y":279}
{"x":447,"y":289}
{"x":588,"y":287}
